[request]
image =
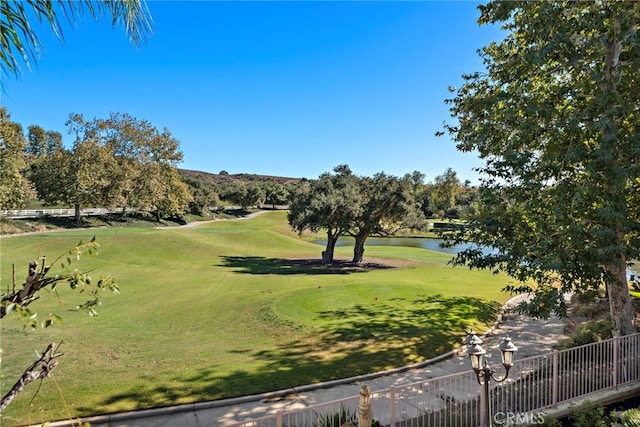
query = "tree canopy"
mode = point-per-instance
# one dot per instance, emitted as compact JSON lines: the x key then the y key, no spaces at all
{"x":327,"y":203}
{"x":119,"y":161}
{"x":556,"y":118}
{"x":383,"y":203}
{"x":15,"y":188}
{"x":443,"y":192}
{"x":346,"y":204}
{"x":37,"y":141}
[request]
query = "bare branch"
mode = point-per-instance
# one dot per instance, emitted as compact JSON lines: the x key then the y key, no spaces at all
{"x":35,"y":281}
{"x":38,"y":370}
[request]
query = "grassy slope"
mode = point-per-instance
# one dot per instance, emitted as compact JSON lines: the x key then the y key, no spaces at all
{"x":232,"y":308}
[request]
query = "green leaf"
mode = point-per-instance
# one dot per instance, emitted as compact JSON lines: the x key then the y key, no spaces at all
{"x":558,"y":137}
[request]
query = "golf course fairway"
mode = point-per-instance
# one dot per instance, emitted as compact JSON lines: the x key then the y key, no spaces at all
{"x":230,"y":308}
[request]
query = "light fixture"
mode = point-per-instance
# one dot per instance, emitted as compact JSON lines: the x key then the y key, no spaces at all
{"x":475,"y":351}
{"x":507,"y":347}
{"x":484,"y":373}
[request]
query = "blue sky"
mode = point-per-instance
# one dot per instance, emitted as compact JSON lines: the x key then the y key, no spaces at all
{"x":276,"y":88}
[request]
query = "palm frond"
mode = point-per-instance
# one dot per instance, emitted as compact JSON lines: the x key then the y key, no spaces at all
{"x":19,"y":38}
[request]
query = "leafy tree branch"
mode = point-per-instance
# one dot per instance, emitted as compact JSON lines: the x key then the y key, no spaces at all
{"x":39,"y":278}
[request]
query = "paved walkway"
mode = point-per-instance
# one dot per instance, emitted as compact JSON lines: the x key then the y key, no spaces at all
{"x":198,"y":223}
{"x":532,"y":337}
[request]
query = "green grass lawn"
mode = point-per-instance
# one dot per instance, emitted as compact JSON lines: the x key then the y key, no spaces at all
{"x":232,"y":308}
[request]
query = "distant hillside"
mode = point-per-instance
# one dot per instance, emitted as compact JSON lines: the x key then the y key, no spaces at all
{"x":212,"y":178}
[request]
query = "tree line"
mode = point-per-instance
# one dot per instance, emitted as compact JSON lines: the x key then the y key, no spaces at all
{"x":241,"y":190}
{"x":119,"y":162}
{"x":444,"y":198}
{"x":124,"y":162}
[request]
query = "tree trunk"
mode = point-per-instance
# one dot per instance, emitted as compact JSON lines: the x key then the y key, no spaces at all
{"x":358,"y":248}
{"x":78,"y":218}
{"x":619,"y":298}
{"x":327,"y":255}
{"x":618,"y":289}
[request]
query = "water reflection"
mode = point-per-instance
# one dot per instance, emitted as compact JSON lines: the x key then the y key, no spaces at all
{"x":413,"y":242}
{"x":431,"y":244}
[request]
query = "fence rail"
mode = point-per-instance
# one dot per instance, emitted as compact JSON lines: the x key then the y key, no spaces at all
{"x":39,"y":213}
{"x":534,"y":384}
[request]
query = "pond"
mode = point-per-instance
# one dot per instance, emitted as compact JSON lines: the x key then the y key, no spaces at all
{"x":413,"y":242}
{"x":425,"y":243}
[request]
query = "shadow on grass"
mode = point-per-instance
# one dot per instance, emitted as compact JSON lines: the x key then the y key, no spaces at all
{"x":131,"y":219}
{"x":233,"y":213}
{"x":262,"y":265}
{"x":355,"y":341}
{"x":434,"y":317}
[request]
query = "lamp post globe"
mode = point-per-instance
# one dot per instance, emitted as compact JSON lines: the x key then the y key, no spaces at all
{"x":476,"y":355}
{"x":507,"y":348}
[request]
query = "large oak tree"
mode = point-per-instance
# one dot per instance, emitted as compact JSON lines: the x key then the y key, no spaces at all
{"x":384,"y":203}
{"x":329,"y":204}
{"x":346,"y":204}
{"x":145,"y":175}
{"x":556,"y":118}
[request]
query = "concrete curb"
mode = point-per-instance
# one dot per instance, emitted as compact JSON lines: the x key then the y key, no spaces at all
{"x":194,"y":407}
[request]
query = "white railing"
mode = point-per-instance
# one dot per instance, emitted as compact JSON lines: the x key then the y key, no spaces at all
{"x":39,"y":213}
{"x":534,"y":384}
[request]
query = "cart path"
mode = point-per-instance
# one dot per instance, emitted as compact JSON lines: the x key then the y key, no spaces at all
{"x":197,"y":223}
{"x":62,"y":230}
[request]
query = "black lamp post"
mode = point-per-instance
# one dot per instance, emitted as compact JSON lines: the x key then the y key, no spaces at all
{"x":484,"y":373}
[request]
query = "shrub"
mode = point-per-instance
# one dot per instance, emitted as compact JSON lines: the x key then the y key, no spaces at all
{"x":347,"y":417}
{"x":584,"y":336}
{"x":591,"y":311}
{"x":588,"y":333}
{"x":586,"y":297}
{"x":548,"y":421}
{"x":630,"y":418}
{"x":590,"y":416}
